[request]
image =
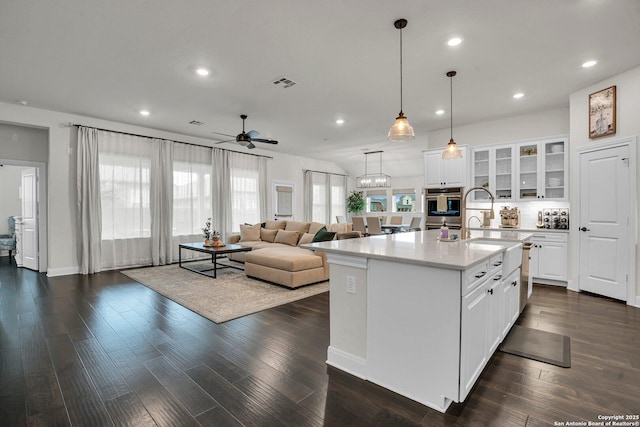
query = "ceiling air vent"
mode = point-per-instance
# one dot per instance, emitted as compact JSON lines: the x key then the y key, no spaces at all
{"x":283,"y":82}
{"x":196,"y":123}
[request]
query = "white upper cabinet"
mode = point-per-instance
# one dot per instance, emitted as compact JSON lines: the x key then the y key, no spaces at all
{"x":542,"y":170}
{"x":445,"y":173}
{"x":493,"y":168}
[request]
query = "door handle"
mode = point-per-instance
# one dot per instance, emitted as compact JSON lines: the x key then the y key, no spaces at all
{"x":583,"y":229}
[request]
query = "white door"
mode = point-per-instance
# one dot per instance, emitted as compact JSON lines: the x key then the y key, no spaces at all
{"x":604,"y":224}
{"x":30,"y":218}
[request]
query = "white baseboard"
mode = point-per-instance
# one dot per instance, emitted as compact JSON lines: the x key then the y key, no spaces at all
{"x":53,"y":272}
{"x":354,"y":365}
{"x":637,"y":304}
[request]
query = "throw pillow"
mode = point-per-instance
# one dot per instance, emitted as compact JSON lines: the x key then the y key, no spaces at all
{"x":286,"y":237}
{"x":268,"y":235}
{"x":275,"y":225}
{"x":299,"y":226}
{"x":306,"y":238}
{"x":323,"y":235}
{"x":314,"y":227}
{"x":249,"y":233}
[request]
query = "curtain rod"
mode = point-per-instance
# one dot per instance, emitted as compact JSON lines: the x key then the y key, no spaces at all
{"x":328,"y":173}
{"x":181,"y":142}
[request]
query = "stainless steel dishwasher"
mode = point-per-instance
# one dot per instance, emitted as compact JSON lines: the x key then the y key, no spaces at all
{"x":525,"y":276}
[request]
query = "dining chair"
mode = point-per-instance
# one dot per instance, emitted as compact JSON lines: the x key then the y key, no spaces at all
{"x":415,"y":223}
{"x":358,"y":224}
{"x":373,"y":225}
{"x":396,"y":220}
{"x":341,"y":219}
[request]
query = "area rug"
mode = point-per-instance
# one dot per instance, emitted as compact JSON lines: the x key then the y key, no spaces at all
{"x":230,"y":296}
{"x":538,"y":345}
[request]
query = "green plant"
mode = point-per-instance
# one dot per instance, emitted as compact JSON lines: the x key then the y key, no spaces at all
{"x":355,"y":202}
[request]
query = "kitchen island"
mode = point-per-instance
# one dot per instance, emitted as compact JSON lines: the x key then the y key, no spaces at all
{"x":419,"y":316}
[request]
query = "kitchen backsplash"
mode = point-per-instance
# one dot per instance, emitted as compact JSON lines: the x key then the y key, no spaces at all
{"x":528,"y":211}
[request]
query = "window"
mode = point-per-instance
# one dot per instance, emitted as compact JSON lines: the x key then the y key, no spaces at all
{"x":376,"y":201}
{"x":125,"y":191}
{"x":325,"y":196}
{"x":404,"y":200}
{"x":246,"y":198}
{"x":191,"y":197}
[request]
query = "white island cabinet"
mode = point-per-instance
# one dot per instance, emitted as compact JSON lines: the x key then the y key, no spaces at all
{"x":418,"y":316}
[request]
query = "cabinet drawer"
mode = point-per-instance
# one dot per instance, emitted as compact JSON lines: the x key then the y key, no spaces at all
{"x":551,"y":237}
{"x":495,"y":262}
{"x":475,"y":276}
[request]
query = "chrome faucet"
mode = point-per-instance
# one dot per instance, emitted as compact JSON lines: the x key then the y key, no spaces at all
{"x":465,"y":232}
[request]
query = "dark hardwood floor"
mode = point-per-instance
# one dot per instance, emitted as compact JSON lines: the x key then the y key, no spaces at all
{"x":104,"y":350}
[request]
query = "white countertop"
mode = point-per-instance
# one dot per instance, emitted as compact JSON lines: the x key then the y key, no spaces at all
{"x":424,"y":248}
{"x":530,"y":230}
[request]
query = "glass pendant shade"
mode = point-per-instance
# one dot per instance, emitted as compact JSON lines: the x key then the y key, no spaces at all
{"x":452,"y":151}
{"x":401,"y":130}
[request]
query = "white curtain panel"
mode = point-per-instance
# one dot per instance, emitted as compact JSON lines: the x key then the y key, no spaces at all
{"x":338,"y":197}
{"x":161,"y":201}
{"x":221,"y":192}
{"x":125,"y":183}
{"x":245,"y":190}
{"x":192,"y":196}
{"x":324,"y":196}
{"x":88,"y":188}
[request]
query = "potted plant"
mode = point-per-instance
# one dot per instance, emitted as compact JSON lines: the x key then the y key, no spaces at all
{"x":212,"y":237}
{"x":355,"y":202}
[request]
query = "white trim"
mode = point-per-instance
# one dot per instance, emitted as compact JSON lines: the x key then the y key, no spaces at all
{"x":631,"y":143}
{"x":43,"y":218}
{"x":63,"y":271}
{"x":346,"y":260}
{"x":637,"y":304}
{"x":354,"y":365}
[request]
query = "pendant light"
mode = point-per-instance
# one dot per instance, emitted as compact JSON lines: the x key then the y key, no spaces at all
{"x":401,"y":129}
{"x":369,"y":180}
{"x":452,"y":151}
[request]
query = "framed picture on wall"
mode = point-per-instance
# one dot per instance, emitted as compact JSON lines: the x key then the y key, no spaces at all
{"x":602,"y":112}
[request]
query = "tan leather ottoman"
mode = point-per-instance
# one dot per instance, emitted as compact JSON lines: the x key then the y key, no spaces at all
{"x":290,"y":267}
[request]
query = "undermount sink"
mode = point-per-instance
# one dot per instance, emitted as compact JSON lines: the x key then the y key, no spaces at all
{"x":512,"y":258}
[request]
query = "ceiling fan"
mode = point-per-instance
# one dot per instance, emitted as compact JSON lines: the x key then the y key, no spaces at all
{"x":246,"y":139}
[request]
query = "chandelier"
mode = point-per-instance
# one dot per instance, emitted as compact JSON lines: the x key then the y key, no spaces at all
{"x":369,"y":180}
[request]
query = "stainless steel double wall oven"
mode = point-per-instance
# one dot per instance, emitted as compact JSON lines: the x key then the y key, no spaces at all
{"x":453,"y":213}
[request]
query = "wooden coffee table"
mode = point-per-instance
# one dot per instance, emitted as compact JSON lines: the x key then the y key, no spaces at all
{"x":216,"y":253}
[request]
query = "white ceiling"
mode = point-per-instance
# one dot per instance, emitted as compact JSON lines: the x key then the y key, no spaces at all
{"x":110,"y":59}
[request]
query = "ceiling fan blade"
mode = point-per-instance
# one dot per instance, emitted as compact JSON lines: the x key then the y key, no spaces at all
{"x":267,"y":141}
{"x":225,"y":134}
{"x":250,"y":146}
{"x":228,"y":140}
{"x":253,"y":133}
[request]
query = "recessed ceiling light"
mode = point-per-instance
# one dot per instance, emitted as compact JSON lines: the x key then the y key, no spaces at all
{"x":340,"y":121}
{"x":518,"y":95}
{"x":144,"y":112}
{"x":202,"y":72}
{"x":455,"y":41}
{"x":590,"y":63}
{"x":440,"y":112}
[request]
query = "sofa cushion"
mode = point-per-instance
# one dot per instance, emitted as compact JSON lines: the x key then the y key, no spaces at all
{"x":299,"y":226}
{"x":249,"y":232}
{"x":314,"y":227}
{"x":287,"y":259}
{"x":286,"y":237}
{"x":306,"y":238}
{"x":323,"y":235}
{"x":268,"y":235}
{"x":275,"y":225}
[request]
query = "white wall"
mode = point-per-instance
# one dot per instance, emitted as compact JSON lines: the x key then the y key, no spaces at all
{"x":61,"y":199}
{"x":23,"y":143}
{"x":10,"y":205}
{"x":628,"y":125}
{"x":529,"y":126}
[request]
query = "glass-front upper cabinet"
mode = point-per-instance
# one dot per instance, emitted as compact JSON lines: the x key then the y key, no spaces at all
{"x":528,"y":163}
{"x":494,"y":169}
{"x":482,"y":173}
{"x":542,"y":170}
{"x":505,"y":172}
